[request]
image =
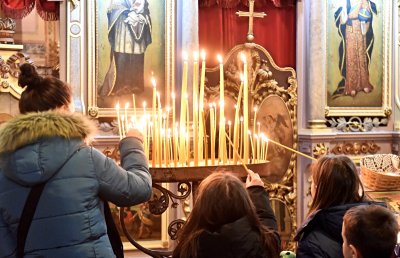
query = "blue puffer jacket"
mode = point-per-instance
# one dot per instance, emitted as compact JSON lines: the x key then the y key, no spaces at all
{"x":69,"y":220}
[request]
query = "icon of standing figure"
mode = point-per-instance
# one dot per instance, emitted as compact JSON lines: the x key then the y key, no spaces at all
{"x":129,"y":34}
{"x":354,"y":22}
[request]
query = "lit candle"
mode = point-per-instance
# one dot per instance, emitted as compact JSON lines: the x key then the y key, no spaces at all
{"x":252,"y":144}
{"x":195,"y":108}
{"x":134,"y":106}
{"x":241,"y":136}
{"x":266,"y":148}
{"x":182,"y":156}
{"x":222,"y":138}
{"x":236,"y":125}
{"x":159,"y":140}
{"x":245,"y":110}
{"x":255,"y":121}
{"x":119,"y":121}
{"x":188,"y":129}
{"x":212,"y":135}
{"x":258,"y":147}
{"x":154,"y":124}
{"x":144,"y":118}
{"x":174,"y":131}
{"x":165,"y":147}
{"x":201,"y":105}
{"x":230,"y":137}
{"x":123,"y":125}
{"x":126,"y":117}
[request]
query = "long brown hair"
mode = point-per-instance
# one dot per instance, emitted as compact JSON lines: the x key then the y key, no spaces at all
{"x":221,"y":199}
{"x":41,"y":94}
{"x":337,"y":182}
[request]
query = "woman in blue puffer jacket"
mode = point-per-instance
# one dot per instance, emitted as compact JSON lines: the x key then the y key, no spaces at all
{"x":69,"y":219}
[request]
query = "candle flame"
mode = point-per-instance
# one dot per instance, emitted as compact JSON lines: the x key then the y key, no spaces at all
{"x":219,"y":57}
{"x":117,"y":106}
{"x":144,"y":104}
{"x":153,"y":82}
{"x":255,"y":109}
{"x":185,"y":56}
{"x":249,"y":132}
{"x":173,"y":95}
{"x":243,"y":57}
{"x":229,"y":122}
{"x":241,"y":77}
{"x":196,"y":56}
{"x":126,"y":105}
{"x":203,"y":55}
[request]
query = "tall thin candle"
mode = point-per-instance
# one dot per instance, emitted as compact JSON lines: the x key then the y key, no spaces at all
{"x":236,"y":125}
{"x":154,"y":124}
{"x":182,"y":156}
{"x":195,"y":109}
{"x":222,"y":138}
{"x":245,"y":110}
{"x":174,"y":131}
{"x":201,"y":104}
{"x":119,"y":121}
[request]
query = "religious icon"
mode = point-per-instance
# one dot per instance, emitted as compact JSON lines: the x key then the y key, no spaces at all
{"x":129,"y":35}
{"x":353,"y":20}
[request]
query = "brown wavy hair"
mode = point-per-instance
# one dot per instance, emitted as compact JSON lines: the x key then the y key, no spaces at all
{"x":337,"y":182}
{"x":221,"y":199}
{"x":41,"y":93}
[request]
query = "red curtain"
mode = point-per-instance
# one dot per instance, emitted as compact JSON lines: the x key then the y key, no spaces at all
{"x":220,"y":29}
{"x":18,"y":9}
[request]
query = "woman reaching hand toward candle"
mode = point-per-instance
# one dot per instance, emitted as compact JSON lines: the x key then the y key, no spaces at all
{"x":239,"y":223}
{"x":47,"y":144}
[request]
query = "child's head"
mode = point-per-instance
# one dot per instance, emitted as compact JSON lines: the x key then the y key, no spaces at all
{"x":221,"y":198}
{"x":335,"y":181}
{"x":42,"y":94}
{"x":369,"y":231}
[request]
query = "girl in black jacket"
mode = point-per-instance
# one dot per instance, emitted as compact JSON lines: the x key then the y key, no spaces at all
{"x":228,"y":221}
{"x":335,"y":188}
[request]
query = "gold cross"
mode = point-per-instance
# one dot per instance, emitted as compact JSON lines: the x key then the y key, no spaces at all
{"x":251,"y":14}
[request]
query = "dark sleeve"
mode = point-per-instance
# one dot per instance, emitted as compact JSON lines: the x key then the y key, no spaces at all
{"x":306,"y":249}
{"x":264,"y":211}
{"x":262,"y":203}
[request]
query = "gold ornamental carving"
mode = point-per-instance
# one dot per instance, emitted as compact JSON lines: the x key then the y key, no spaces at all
{"x":320,"y":150}
{"x":357,"y":148}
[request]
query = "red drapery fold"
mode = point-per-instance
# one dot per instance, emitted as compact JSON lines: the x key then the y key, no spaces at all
{"x":18,"y":9}
{"x":234,"y":3}
{"x":220,"y":29}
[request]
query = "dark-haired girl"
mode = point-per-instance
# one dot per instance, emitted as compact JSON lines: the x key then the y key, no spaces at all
{"x":229,"y":220}
{"x":335,"y":188}
{"x":47,"y":144}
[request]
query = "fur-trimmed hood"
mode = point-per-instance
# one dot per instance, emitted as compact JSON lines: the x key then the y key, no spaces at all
{"x":33,"y":146}
{"x":28,"y":128}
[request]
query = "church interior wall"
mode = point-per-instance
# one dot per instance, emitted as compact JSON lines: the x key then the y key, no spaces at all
{"x":314,"y":137}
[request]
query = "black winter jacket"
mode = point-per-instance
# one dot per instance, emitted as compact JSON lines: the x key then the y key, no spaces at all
{"x":238,"y":239}
{"x":320,"y":236}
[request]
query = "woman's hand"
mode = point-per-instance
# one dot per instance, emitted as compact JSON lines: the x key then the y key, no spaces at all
{"x":253,"y":179}
{"x":133,"y":132}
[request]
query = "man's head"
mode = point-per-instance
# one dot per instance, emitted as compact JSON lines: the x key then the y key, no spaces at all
{"x":369,"y":231}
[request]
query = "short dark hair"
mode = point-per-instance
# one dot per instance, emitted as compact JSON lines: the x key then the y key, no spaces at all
{"x":41,"y":93}
{"x":372,"y":230}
